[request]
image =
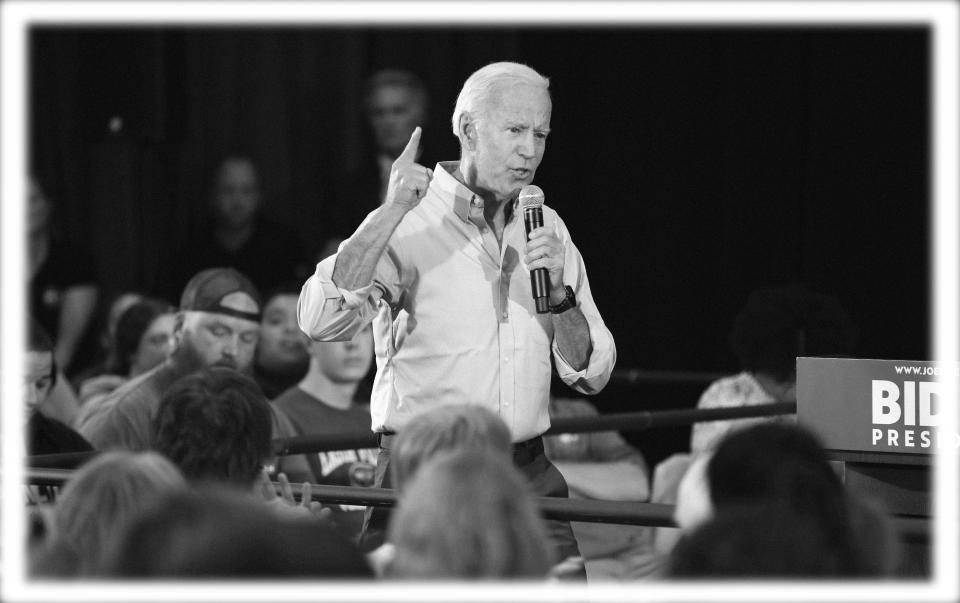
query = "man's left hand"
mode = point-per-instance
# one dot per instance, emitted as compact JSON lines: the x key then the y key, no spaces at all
{"x":545,"y":250}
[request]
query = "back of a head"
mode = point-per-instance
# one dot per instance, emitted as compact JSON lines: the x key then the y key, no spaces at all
{"x":445,"y":428}
{"x":223,"y":533}
{"x":468,"y":515}
{"x":215,"y":425}
{"x":485,"y":81}
{"x":778,"y":324}
{"x":777,"y":464}
{"x":758,"y":541}
{"x":106,"y":493}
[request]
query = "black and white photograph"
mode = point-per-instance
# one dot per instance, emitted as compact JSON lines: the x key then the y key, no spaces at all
{"x":550,"y":301}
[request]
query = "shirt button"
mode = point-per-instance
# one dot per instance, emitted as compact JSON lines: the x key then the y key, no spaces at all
{"x":504,"y":314}
{"x":506,"y":359}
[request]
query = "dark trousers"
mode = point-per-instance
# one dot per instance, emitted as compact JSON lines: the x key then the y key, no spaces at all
{"x":528,"y":457}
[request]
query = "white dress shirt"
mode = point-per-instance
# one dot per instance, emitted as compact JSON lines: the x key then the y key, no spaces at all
{"x":453,"y":315}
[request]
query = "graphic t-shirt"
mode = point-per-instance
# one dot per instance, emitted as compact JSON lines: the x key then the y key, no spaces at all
{"x":311,"y":416}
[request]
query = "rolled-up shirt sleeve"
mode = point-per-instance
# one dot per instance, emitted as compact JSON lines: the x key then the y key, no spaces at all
{"x":603,"y":356}
{"x":326,"y":312}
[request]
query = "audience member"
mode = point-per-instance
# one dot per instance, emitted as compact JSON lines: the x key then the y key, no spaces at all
{"x":775,"y":327}
{"x":218,"y":325}
{"x":241,"y":236}
{"x":63,"y":281}
{"x":447,"y":428}
{"x":757,"y":541}
{"x":468,"y":514}
{"x":106,"y":324}
{"x":325,"y":402}
{"x":603,"y":466}
{"x":396,"y":102}
{"x":213,"y":533}
{"x":784,"y":465}
{"x":45,"y":435}
{"x":96,"y":503}
{"x":215,"y":425}
{"x":140,"y":340}
{"x":281,"y":359}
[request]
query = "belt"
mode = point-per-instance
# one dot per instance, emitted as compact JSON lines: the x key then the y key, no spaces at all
{"x":523,"y":452}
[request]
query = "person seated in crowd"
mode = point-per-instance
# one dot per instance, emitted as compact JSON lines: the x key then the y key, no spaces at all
{"x":117,"y":306}
{"x":218,"y":324}
{"x":757,"y":541}
{"x":216,"y":426}
{"x":448,"y":428}
{"x":396,"y":102}
{"x":211,"y":533}
{"x":141,"y":340}
{"x":241,"y":236}
{"x":774,"y":327}
{"x":45,"y":435}
{"x":785,"y":465}
{"x":603,"y":466}
{"x":95,"y":504}
{"x":281,"y":359}
{"x":468,"y":515}
{"x":325,"y":402}
{"x":63,"y":286}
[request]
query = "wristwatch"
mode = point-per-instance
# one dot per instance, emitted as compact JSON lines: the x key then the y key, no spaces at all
{"x":570,"y":301}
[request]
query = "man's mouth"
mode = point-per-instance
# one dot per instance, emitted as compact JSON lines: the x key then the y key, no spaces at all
{"x":520,"y":172}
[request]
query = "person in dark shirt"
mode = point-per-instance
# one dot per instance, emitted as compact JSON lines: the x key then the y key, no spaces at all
{"x":267,"y":251}
{"x":325,"y":402}
{"x":396,"y":102}
{"x":45,"y":435}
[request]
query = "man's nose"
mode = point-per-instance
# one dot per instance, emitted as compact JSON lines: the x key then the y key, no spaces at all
{"x":526,"y":147}
{"x":230,"y":346}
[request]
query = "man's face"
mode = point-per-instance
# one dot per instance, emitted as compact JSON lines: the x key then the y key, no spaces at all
{"x":345,"y":361}
{"x":282,"y":343}
{"x":213,"y":339}
{"x":394,"y":112}
{"x":237,"y":193}
{"x":511,"y":137}
{"x":38,"y":378}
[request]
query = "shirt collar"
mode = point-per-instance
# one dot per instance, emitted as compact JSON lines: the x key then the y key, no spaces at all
{"x":464,"y":199}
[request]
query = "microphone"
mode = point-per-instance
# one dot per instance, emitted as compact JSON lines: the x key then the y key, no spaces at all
{"x":531,"y":200}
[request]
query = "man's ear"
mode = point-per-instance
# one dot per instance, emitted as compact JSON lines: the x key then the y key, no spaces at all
{"x":468,"y":131}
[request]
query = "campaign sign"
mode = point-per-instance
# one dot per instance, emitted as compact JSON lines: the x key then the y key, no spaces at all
{"x":874,"y":405}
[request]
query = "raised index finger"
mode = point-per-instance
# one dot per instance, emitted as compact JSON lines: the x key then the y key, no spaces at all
{"x":413,"y":145}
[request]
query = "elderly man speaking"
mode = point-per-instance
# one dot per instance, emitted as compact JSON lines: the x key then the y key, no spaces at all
{"x":441,"y":268}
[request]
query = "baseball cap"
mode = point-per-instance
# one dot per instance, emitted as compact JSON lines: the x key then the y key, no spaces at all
{"x":207,"y":289}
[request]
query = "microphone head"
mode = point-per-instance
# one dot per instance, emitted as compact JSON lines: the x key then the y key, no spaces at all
{"x":531,"y":195}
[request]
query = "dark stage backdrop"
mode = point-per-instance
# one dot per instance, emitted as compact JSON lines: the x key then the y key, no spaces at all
{"x":691,"y":165}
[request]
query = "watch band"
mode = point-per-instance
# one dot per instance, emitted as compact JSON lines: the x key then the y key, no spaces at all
{"x":570,"y":301}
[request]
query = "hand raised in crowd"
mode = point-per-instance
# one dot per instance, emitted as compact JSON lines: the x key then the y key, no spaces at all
{"x":408,"y":179}
{"x":545,"y":250}
{"x":285,"y":502}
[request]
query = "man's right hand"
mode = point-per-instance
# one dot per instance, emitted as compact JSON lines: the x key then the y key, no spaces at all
{"x":408,"y":179}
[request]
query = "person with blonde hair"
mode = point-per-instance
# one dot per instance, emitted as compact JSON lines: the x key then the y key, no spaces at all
{"x":98,"y":501}
{"x":468,"y":515}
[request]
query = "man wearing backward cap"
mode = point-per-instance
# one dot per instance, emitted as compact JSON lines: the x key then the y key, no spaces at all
{"x":218,"y":325}
{"x":442,"y":271}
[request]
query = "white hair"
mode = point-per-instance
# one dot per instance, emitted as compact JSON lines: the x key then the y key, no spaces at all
{"x":480,"y":86}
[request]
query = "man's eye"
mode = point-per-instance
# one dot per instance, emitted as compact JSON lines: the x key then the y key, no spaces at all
{"x":249,"y":337}
{"x":515,"y":130}
{"x":219,"y":331}
{"x":541,"y":135}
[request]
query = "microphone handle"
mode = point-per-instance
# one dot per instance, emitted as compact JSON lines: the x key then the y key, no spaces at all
{"x":539,"y":277}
